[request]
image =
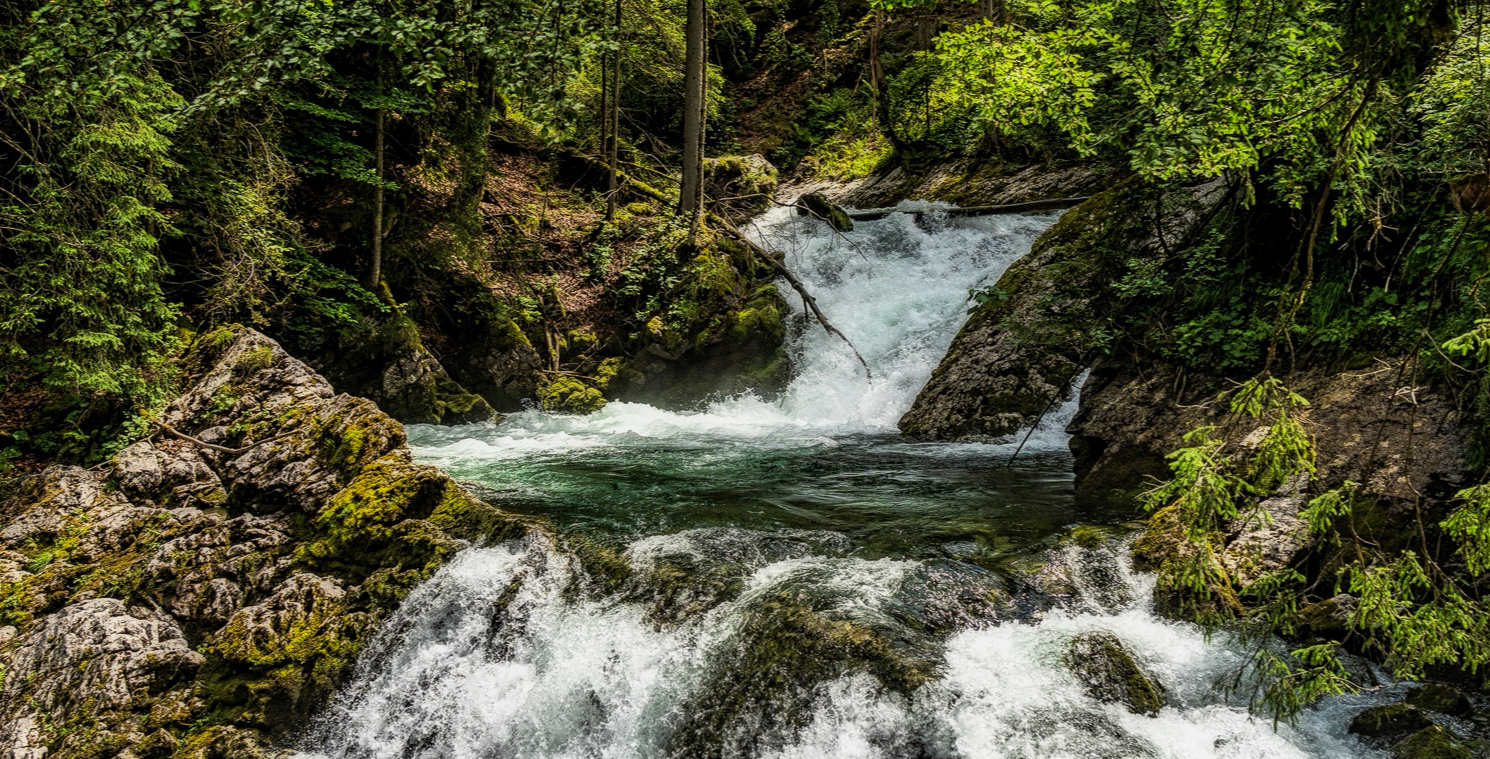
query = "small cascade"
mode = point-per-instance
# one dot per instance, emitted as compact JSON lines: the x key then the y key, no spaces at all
{"x":791,"y":579}
{"x":790,"y":649}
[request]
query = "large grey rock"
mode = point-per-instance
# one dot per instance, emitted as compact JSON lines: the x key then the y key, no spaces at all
{"x":1272,"y":537}
{"x":1021,"y":349}
{"x":94,"y":664}
{"x":273,"y":552}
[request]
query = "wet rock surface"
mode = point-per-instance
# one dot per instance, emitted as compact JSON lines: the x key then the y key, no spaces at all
{"x":1391,"y":719}
{"x":1035,"y":330}
{"x":1441,"y":698}
{"x":203,"y":598}
{"x":1111,"y":675}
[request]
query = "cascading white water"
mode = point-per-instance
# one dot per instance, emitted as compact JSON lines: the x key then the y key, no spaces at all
{"x":467,"y":668}
{"x":896,"y":288}
{"x":755,"y":532}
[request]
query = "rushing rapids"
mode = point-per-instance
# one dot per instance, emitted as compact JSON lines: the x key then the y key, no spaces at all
{"x":789,"y":578}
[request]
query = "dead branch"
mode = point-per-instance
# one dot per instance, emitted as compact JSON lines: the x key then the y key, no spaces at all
{"x":796,"y":285}
{"x":209,"y":446}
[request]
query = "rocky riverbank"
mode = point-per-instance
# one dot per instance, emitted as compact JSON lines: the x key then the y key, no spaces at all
{"x":202,"y":592}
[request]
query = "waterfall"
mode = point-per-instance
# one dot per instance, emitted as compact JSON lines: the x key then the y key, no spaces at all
{"x":790,"y":579}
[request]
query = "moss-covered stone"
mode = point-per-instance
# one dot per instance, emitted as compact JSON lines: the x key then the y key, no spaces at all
{"x":1391,"y":719}
{"x":1442,"y":698}
{"x":763,"y":689}
{"x":327,"y":527}
{"x":570,"y":395}
{"x":1111,"y":675}
{"x":819,"y":207}
{"x":1432,"y":742}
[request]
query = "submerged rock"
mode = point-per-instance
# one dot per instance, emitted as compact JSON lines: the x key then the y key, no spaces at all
{"x":1110,"y":674}
{"x":186,"y":585}
{"x":1392,"y":719}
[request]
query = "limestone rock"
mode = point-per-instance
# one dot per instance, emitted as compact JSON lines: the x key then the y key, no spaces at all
{"x":1109,"y":673}
{"x":207,"y":575}
{"x":274,"y":557}
{"x":92,"y":663}
{"x":1021,"y":349}
{"x":1391,"y":719}
{"x":1272,"y":538}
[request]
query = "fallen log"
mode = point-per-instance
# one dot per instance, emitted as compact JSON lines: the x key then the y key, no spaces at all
{"x":871,"y":214}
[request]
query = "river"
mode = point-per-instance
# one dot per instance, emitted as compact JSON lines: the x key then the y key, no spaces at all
{"x":790,"y":578}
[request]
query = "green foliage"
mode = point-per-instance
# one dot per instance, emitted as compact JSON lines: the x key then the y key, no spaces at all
{"x":1216,"y":489}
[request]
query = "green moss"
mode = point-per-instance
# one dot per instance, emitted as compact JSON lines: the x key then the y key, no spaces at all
{"x":365,"y":523}
{"x":1433,"y":742}
{"x":784,"y":648}
{"x":253,"y":360}
{"x":1110,"y":674}
{"x":1390,"y":719}
{"x":603,"y":570}
{"x":570,"y":395}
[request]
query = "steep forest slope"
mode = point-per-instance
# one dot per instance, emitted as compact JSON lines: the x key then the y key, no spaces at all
{"x":458,"y":210}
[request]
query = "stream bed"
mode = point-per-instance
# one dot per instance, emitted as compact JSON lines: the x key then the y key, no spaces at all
{"x":789,"y":578}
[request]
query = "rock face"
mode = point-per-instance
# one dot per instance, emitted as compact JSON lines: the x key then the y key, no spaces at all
{"x":1021,"y":349}
{"x":967,"y":184}
{"x":199,"y":599}
{"x":389,"y":364}
{"x":1370,"y":426}
{"x":728,"y":337}
{"x":1109,"y":673}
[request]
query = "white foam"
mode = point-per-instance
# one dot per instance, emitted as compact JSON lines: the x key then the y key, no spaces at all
{"x":491,"y":657}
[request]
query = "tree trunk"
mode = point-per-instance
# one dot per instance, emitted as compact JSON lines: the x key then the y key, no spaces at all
{"x":877,"y":70}
{"x":691,"y":186}
{"x":376,"y":275}
{"x":614,"y":137}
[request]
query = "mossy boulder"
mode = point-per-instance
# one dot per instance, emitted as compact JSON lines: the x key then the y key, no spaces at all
{"x":742,"y":185}
{"x":1039,"y":325}
{"x":1433,"y":742}
{"x":1442,"y":698}
{"x":817,"y":205}
{"x":1391,"y":719}
{"x":1111,"y":675}
{"x":764,"y":687}
{"x":725,"y":336}
{"x":148,"y":619}
{"x":570,"y":395}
